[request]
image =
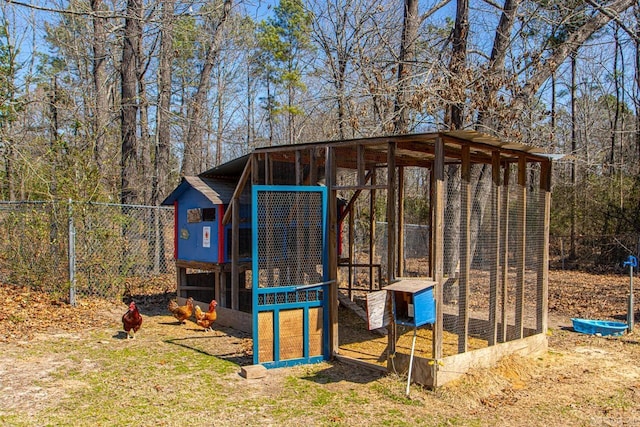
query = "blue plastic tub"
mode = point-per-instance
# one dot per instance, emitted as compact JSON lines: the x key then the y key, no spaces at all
{"x":598,"y":327}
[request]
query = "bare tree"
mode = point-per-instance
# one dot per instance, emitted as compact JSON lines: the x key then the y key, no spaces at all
{"x":195,"y":133}
{"x":406,"y":58}
{"x":129,"y":108}
{"x":100,"y":82}
{"x":163,"y":130}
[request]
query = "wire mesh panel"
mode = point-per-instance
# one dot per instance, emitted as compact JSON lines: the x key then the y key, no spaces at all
{"x":290,"y":238}
{"x":289,"y":280}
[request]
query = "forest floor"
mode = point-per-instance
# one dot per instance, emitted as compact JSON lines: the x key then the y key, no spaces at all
{"x":64,"y":365}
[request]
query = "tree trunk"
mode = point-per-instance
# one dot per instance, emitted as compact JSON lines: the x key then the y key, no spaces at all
{"x":144,"y":145}
{"x":457,"y":84}
{"x":455,"y":121}
{"x":405,"y":65}
{"x":100,"y":83}
{"x":129,"y":77}
{"x":163,"y":132}
{"x":195,"y":132}
{"x":574,"y":138}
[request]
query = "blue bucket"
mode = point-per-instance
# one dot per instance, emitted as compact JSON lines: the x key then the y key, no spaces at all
{"x":598,"y":327}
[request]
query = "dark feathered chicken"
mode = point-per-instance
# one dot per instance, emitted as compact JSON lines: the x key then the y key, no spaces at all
{"x":131,"y":320}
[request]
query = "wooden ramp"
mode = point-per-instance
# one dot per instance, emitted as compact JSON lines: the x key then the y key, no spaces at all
{"x":346,"y":302}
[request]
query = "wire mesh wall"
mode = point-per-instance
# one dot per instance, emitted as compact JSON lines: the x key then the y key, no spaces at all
{"x":290,"y":238}
{"x":505,"y":232}
{"x":103,"y":246}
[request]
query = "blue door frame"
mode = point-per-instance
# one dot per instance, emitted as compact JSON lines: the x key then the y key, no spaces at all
{"x":307,"y":301}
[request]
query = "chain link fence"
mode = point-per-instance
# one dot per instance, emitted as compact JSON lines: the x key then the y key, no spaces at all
{"x":86,"y":249}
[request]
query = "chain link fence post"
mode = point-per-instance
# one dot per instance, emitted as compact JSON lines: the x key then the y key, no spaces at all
{"x":72,"y":256}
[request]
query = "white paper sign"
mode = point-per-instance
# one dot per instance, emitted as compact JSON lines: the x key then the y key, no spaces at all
{"x":206,"y":237}
{"x":378,"y":309}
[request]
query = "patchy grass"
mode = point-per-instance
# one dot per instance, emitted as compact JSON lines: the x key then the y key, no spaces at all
{"x":74,"y":367}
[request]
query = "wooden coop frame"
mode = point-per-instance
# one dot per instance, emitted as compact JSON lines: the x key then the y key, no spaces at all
{"x":318,"y":163}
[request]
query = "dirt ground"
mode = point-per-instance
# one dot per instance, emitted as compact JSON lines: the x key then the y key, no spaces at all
{"x":594,"y":379}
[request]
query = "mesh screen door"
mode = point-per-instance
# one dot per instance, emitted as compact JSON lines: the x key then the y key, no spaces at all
{"x":289,"y":275}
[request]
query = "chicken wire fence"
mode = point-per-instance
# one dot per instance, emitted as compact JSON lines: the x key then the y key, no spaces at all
{"x":503,"y":300}
{"x":83,"y":248}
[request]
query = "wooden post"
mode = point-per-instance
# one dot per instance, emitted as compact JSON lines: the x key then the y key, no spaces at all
{"x":298,"y":166}
{"x":332,"y":245}
{"x":313,"y":167}
{"x":360,"y":162}
{"x":438,"y":244}
{"x":372,"y":227}
{"x":495,"y":250}
{"x":504,"y":235}
{"x":182,"y":281}
{"x":465,"y":250}
{"x":391,"y":211}
{"x":542,"y":288}
{"x":391,"y":234}
{"x":522,"y":245}
{"x":235,"y":254}
{"x":400,"y":221}
{"x":351,"y":251}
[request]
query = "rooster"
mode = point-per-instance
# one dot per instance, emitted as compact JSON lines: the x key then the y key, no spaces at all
{"x":181,"y":312}
{"x":206,"y":319}
{"x":131,"y":320}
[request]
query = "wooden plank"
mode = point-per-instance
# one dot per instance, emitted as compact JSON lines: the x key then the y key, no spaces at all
{"x":372,"y":229}
{"x":332,"y":249}
{"x":504,"y":234}
{"x":351,"y":249}
{"x":542,"y":286}
{"x":265,"y":337}
{"x":411,"y":284}
{"x":400,"y":244}
{"x":438,"y":244}
{"x":316,"y":331}
{"x":360,"y":363}
{"x":391,"y":234}
{"x":521,"y":232}
{"x":298,"y":168}
{"x":465,"y":251}
{"x":290,"y":334}
{"x":494,"y":269}
{"x":235,"y":253}
{"x":391,"y":212}
{"x":232,"y":318}
{"x":181,"y":280}
{"x":210,"y":266}
{"x":361,"y":187}
{"x":453,"y":367}
{"x":360,"y":164}
{"x":313,"y":167}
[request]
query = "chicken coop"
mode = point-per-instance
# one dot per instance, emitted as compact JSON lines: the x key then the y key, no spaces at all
{"x":302,"y":231}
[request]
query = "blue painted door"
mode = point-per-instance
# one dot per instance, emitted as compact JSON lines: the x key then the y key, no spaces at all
{"x":289,"y":275}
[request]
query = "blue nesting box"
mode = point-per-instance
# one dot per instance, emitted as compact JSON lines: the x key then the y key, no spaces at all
{"x":200,"y":236}
{"x":412,"y":301}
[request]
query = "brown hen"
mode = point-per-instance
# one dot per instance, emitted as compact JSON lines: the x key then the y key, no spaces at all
{"x":206,"y":319}
{"x":181,"y":312}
